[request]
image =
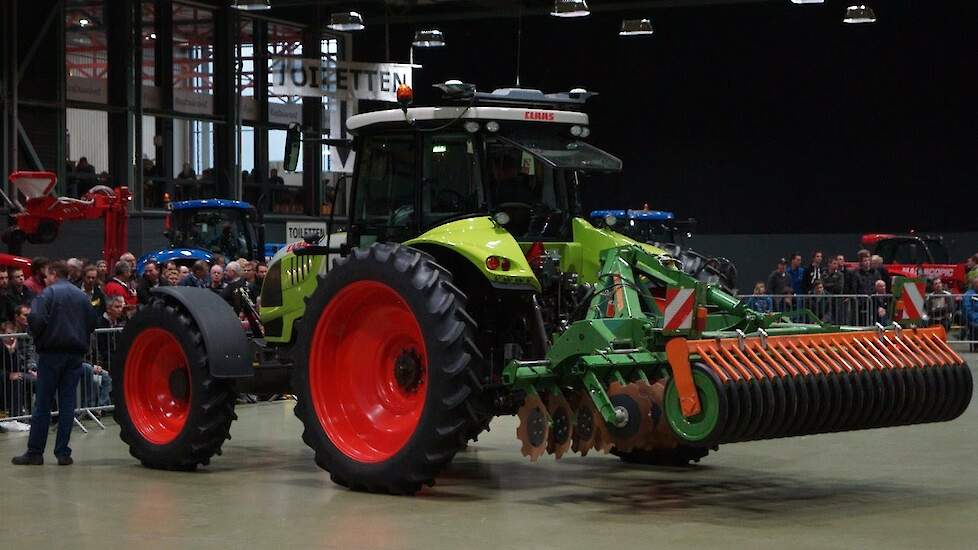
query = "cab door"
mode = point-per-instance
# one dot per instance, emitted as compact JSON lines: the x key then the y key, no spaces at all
{"x":385,"y":192}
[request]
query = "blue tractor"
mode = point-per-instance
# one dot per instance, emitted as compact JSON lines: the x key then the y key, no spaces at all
{"x":662,"y":229}
{"x":199,"y":229}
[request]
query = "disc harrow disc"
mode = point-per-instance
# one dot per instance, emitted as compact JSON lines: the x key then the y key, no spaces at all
{"x":637,"y":402}
{"x":562,"y":425}
{"x":589,"y":431}
{"x":534,"y":428}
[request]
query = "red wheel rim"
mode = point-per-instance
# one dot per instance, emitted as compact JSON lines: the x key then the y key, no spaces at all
{"x":368,"y":372}
{"x":157,"y":386}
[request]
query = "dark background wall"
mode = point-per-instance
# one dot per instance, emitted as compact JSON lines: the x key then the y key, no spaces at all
{"x":755,"y":118}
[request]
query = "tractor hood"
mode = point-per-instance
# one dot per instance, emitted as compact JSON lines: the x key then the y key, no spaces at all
{"x":489,"y":247}
{"x":183,"y":256}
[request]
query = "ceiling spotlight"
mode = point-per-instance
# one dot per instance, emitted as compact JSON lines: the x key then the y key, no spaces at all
{"x":859,"y":13}
{"x":570,"y":8}
{"x":252,"y":5}
{"x":346,"y":21}
{"x":432,"y":38}
{"x":807,"y":1}
{"x":635,"y":27}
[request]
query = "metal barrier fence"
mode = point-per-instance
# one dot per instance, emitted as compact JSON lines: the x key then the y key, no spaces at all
{"x":866,"y":310}
{"x":18,"y":369}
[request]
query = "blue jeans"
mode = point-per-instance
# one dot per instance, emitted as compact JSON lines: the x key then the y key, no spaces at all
{"x":95,"y":395}
{"x":57,"y":374}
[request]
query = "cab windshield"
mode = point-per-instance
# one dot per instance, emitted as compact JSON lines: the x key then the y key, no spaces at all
{"x":220,"y":230}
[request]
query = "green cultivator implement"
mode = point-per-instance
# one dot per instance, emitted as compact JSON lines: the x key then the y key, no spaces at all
{"x":657,"y":348}
{"x":467,"y":286}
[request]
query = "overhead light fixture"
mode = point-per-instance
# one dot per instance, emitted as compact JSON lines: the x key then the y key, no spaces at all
{"x":84,"y":22}
{"x":346,"y":21}
{"x":570,"y":8}
{"x":252,"y":5}
{"x":431,"y":38}
{"x":807,"y":1}
{"x":859,"y":13}
{"x":635,"y":27}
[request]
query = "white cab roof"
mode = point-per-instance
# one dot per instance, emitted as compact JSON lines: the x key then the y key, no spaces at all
{"x":523,"y":114}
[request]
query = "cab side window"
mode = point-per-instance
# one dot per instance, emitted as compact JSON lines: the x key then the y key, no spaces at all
{"x":452,"y":177}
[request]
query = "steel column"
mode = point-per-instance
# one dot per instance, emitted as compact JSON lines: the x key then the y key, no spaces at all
{"x":260,"y":173}
{"x":312,"y":120}
{"x":226,"y":171}
{"x":122,"y":74}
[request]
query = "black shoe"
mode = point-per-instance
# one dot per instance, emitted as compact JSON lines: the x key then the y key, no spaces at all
{"x":27,"y":459}
{"x":65,"y":461}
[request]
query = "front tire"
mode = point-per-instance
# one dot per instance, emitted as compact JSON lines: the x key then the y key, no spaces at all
{"x":385,"y":370}
{"x":171,"y":412}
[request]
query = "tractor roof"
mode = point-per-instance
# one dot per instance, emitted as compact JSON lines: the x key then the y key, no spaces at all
{"x":509,"y":104}
{"x":522,"y":114}
{"x":209,"y":203}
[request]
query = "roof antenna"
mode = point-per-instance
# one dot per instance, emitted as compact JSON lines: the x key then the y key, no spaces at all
{"x":519,"y":39}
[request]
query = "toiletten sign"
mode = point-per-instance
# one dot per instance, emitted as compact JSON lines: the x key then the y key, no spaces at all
{"x":294,"y":76}
{"x":296,"y":231}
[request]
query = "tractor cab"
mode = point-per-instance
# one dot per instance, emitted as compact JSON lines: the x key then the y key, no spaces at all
{"x":200,"y":229}
{"x":908,"y":249}
{"x":516,"y":155}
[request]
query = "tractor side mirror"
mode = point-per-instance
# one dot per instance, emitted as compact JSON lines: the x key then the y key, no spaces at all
{"x":293,"y":143}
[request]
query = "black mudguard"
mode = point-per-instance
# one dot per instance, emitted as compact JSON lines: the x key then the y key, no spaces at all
{"x":228,"y":351}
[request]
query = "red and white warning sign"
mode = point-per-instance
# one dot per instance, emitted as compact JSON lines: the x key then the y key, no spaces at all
{"x":913,"y":300}
{"x":679,"y":309}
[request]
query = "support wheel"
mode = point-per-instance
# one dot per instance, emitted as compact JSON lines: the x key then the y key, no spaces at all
{"x":386,"y":370}
{"x":171,"y":412}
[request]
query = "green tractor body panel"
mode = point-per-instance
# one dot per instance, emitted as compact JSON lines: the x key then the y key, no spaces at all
{"x":298,"y":277}
{"x":476,"y":239}
{"x":584,"y":258}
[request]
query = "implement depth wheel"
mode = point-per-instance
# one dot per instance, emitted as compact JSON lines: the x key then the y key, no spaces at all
{"x":170,"y":411}
{"x":385,"y":370}
{"x":704,"y":429}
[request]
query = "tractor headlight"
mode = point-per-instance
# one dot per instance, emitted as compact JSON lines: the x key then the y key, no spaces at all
{"x":492,"y":126}
{"x":610,"y":220}
{"x":576,"y":130}
{"x":471,"y":126}
{"x":585,"y":132}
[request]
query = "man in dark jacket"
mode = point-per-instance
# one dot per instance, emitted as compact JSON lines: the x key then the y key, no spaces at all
{"x":150,"y":280}
{"x":814,"y":272}
{"x":62,"y":321}
{"x":779,"y":284}
{"x":198,"y":275}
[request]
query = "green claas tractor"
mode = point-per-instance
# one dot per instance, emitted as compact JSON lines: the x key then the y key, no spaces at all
{"x":469,"y":286}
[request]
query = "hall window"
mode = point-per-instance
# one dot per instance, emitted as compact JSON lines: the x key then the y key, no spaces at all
{"x":86,"y":52}
{"x":193,"y":59}
{"x":193,"y":159}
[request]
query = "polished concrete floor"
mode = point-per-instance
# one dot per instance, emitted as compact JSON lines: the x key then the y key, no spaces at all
{"x":911,"y":487}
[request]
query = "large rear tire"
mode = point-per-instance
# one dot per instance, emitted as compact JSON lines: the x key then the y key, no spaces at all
{"x":386,"y":370}
{"x":171,"y":412}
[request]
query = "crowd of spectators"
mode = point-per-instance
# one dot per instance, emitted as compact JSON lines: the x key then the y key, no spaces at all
{"x":858,"y":293}
{"x":116,"y":295}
